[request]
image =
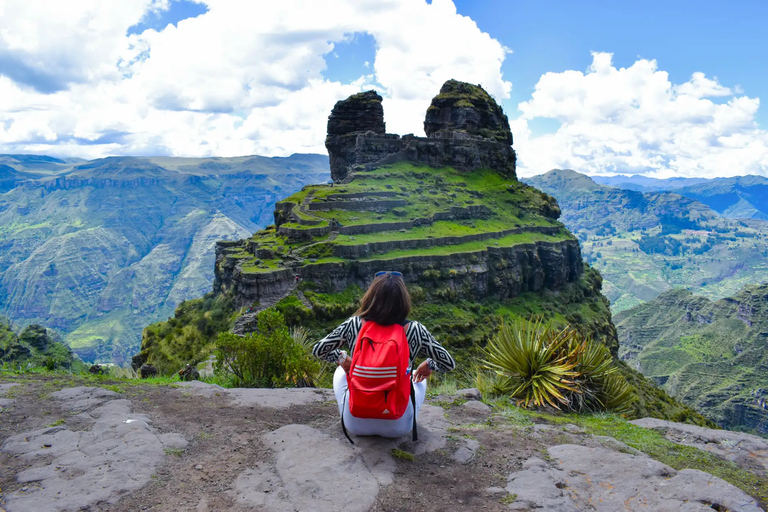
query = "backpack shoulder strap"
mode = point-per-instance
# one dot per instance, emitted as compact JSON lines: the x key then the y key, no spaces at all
{"x":413,"y":401}
{"x":343,"y":427}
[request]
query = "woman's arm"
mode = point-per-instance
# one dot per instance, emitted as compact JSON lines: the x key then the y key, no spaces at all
{"x":427,"y":346}
{"x":327,"y":348}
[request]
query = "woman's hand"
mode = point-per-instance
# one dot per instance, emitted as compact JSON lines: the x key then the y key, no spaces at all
{"x":422,"y":372}
{"x":346,"y":364}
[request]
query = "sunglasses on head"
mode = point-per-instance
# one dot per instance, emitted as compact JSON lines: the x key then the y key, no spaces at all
{"x":389,"y":272}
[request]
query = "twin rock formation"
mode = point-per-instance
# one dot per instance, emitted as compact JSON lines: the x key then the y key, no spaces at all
{"x":445,"y":209}
{"x":466,"y":129}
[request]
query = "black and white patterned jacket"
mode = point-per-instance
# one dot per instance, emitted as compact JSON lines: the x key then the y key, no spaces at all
{"x":420,"y":341}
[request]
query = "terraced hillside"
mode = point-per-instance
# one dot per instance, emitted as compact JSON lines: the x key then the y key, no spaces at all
{"x":407,"y":217}
{"x":467,"y":237}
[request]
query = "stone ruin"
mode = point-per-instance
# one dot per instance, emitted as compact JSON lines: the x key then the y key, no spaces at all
{"x":466,"y":129}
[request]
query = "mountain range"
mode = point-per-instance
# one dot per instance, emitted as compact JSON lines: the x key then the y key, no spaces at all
{"x":741,"y":197}
{"x":99,"y":249}
{"x":644,"y":243}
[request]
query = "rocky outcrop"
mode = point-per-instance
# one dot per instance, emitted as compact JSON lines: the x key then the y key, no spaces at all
{"x":360,"y":113}
{"x":605,"y":480}
{"x":114,"y":447}
{"x":466,"y":129}
{"x":467,"y":108}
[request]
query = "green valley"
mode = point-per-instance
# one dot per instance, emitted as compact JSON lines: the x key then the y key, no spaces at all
{"x":646,"y":243}
{"x":99,"y":249}
{"x":711,"y":355}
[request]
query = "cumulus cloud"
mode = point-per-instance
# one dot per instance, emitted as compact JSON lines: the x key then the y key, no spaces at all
{"x":244,"y":77}
{"x":634,"y":120}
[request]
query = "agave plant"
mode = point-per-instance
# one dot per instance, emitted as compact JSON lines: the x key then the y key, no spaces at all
{"x":538,"y":364}
{"x":535,"y":363}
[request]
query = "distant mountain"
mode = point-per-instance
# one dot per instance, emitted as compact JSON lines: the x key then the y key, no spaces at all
{"x":642,"y":183}
{"x":711,"y":355}
{"x":646,"y":243}
{"x":99,"y":249}
{"x":10,"y":178}
{"x":742,"y":197}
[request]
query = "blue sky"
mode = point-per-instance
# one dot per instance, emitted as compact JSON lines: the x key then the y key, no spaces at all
{"x":726,"y":40}
{"x":667,"y":88}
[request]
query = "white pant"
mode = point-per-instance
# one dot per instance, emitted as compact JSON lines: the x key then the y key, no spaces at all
{"x":375,"y":427}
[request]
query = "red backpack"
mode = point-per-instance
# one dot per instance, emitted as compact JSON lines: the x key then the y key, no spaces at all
{"x":379,"y":379}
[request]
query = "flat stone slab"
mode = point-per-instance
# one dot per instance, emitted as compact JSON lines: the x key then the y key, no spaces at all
{"x":5,"y":387}
{"x":603,"y":480}
{"x":279,"y":398}
{"x":117,"y":454}
{"x":322,"y":471}
{"x":733,"y":446}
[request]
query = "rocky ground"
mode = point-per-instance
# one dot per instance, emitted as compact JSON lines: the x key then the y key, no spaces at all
{"x":115,"y":446}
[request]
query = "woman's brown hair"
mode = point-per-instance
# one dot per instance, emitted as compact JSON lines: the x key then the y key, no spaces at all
{"x":387,"y":301}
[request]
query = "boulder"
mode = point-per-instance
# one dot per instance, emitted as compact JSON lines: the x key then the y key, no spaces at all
{"x":97,"y":369}
{"x":147,"y":370}
{"x":470,"y":393}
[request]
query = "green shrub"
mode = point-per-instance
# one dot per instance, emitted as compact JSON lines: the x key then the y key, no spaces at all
{"x":294,"y":312}
{"x":268,"y":357}
{"x":539,"y":364}
{"x":188,"y":337}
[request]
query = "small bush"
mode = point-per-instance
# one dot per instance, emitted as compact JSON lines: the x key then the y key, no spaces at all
{"x":538,"y":365}
{"x":268,"y":357}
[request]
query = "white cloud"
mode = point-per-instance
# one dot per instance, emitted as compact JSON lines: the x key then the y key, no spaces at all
{"x":245,"y":77}
{"x":634,"y":120}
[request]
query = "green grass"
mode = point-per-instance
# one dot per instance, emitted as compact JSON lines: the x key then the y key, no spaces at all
{"x":403,"y":455}
{"x":439,"y":229}
{"x":465,"y":248}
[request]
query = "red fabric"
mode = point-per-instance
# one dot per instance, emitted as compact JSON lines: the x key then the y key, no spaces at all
{"x":379,"y":381}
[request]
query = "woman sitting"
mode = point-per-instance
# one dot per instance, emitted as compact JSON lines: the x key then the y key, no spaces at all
{"x":383,"y":309}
